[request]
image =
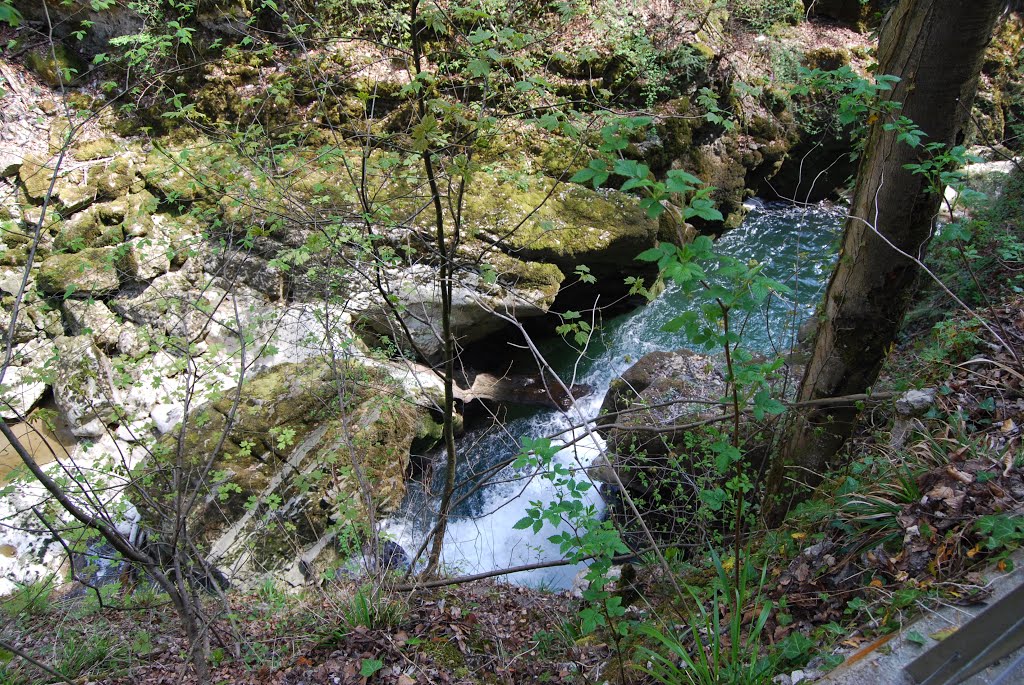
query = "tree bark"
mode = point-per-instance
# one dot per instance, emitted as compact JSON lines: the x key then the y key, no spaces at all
{"x":936,"y":49}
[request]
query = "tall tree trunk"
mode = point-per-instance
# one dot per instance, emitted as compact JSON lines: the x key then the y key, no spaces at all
{"x":936,"y":49}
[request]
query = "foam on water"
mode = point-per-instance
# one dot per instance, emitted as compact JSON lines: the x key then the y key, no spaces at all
{"x":796,"y":246}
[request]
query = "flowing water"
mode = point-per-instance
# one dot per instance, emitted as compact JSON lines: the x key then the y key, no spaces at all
{"x":797,"y":247}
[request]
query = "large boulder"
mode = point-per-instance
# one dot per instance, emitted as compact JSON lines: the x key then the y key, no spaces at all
{"x":303,"y":449}
{"x":568,"y":226}
{"x":83,"y":386}
{"x":91,"y":272}
{"x":660,"y":390}
{"x":480,"y":303}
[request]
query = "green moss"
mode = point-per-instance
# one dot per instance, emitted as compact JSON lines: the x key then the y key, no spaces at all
{"x":96,"y":149}
{"x":560,"y":226}
{"x":92,"y":271}
{"x":35,"y":175}
{"x":55,"y":64}
{"x":826,"y":58}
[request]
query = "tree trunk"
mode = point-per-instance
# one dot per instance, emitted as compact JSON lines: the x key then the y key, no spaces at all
{"x":936,"y":49}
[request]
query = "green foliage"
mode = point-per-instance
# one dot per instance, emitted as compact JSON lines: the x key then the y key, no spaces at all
{"x":370,"y":608}
{"x":1001,"y":532}
{"x":583,"y":536}
{"x":763,"y":15}
{"x":30,"y":599}
{"x":8,"y":14}
{"x":870,"y":500}
{"x":716,"y":647}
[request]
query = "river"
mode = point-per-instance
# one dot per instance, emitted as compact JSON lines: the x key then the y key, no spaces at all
{"x":797,"y":247}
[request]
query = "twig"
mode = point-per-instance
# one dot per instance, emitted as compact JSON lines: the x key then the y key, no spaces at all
{"x":38,"y":664}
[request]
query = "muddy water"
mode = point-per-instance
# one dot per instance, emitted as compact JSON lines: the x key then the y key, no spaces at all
{"x":41,"y":441}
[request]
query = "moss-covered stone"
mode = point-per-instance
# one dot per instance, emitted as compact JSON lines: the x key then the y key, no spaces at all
{"x":566,"y":226}
{"x":97,"y":148}
{"x":826,"y":58}
{"x":35,"y":175}
{"x":91,"y":272}
{"x":294,"y":463}
{"x":118,"y":178}
{"x":55,"y":64}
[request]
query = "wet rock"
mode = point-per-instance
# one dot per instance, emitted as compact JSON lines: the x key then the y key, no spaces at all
{"x":521,"y":389}
{"x":389,"y":556}
{"x":83,"y":386}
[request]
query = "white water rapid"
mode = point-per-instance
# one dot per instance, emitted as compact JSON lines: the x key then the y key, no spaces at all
{"x":796,"y":246}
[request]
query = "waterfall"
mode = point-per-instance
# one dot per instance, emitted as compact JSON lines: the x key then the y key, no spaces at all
{"x":797,"y":248}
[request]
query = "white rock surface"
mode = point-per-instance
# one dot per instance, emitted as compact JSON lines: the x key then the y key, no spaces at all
{"x":83,"y":386}
{"x":92,"y":316}
{"x":20,"y":390}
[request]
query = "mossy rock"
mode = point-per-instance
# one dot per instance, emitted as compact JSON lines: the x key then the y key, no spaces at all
{"x":35,"y":175}
{"x":826,"y":58}
{"x":566,"y":226}
{"x":97,"y":148}
{"x":291,"y":469}
{"x":55,"y":65}
{"x":118,"y":178}
{"x":91,"y":272}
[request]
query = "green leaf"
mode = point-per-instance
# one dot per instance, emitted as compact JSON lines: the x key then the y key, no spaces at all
{"x":370,"y":666}
{"x":478,"y":67}
{"x":523,"y":523}
{"x":917,"y":638}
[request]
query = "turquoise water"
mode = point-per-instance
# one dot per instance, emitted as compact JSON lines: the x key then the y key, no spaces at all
{"x":796,"y":246}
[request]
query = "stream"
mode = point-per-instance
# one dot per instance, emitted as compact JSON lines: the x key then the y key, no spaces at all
{"x":797,"y":246}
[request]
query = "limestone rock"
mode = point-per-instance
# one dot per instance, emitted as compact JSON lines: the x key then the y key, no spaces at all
{"x":73,"y":192}
{"x":10,"y":161}
{"x":83,"y":386}
{"x":664,"y":470}
{"x":97,"y":148}
{"x":20,"y":390}
{"x":293,"y":447}
{"x":247,"y":268}
{"x":89,"y":229}
{"x":24,"y":328}
{"x":148,"y":257}
{"x":477,"y":305}
{"x":568,"y":227}
{"x":92,"y":317}
{"x":91,"y":272}
{"x":117,"y":178}
{"x":170,"y":304}
{"x":655,"y":391}
{"x":35,"y":174}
